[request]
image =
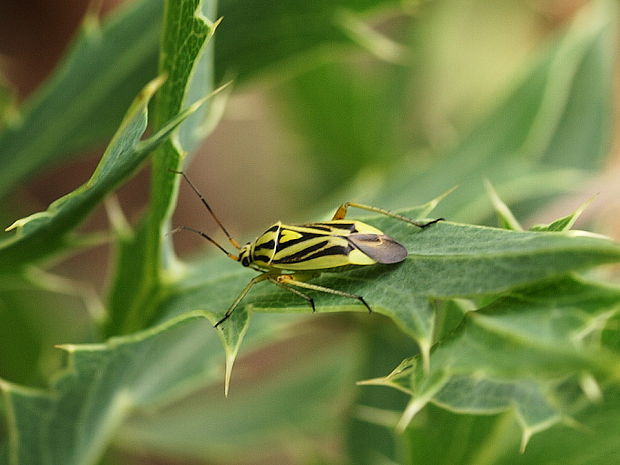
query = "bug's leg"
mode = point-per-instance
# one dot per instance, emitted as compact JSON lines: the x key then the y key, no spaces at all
{"x":246,"y":289}
{"x":342,"y":212}
{"x":307,"y":298}
{"x":291,"y":281}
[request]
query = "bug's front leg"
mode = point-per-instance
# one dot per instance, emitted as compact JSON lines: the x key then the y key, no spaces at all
{"x":246,"y":289}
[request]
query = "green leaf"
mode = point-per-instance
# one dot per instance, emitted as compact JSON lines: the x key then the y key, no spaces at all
{"x":101,"y":385}
{"x":455,"y":260}
{"x":232,"y":336}
{"x":370,"y":432}
{"x":535,"y":349}
{"x":566,"y":222}
{"x":530,"y":145}
{"x":45,"y":233}
{"x":28,"y":331}
{"x":494,"y":439}
{"x":83,"y":102}
{"x":154,"y":366}
{"x":475,"y":439}
{"x":596,"y":444}
{"x":264,"y":413}
{"x":107,"y":65}
{"x":358,"y":132}
{"x":446,"y":260}
{"x":144,"y":257}
{"x":280,"y":33}
{"x":506,"y":219}
{"x":574,"y":125}
{"x":526,"y":351}
{"x":104,"y":384}
{"x":8,"y":103}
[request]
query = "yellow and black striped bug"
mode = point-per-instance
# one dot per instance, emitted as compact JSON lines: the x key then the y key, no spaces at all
{"x":290,"y":255}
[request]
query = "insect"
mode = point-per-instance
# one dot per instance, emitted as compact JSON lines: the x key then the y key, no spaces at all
{"x":290,"y":255}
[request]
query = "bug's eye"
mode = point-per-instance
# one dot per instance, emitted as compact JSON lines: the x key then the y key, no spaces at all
{"x":245,"y":261}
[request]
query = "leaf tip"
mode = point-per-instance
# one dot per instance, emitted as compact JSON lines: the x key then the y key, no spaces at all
{"x":70,"y":348}
{"x":152,"y":86}
{"x":20,"y":223}
{"x":198,"y":103}
{"x":231,"y":334}
{"x":216,"y":23}
{"x":580,"y":209}
{"x":230,"y":361}
{"x":430,"y":206}
{"x":526,"y":435}
{"x":506,"y":217}
{"x":590,"y":387}
{"x":370,"y":382}
{"x":12,"y":226}
{"x":4,"y":386}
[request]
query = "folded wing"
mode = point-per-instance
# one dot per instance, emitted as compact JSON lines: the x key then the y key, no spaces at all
{"x":379,"y":247}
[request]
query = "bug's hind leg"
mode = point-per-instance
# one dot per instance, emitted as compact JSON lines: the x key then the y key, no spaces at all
{"x":290,"y":280}
{"x":307,"y":298}
{"x":342,"y":212}
{"x":428,"y":223}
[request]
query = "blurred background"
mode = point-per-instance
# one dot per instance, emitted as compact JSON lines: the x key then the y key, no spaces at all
{"x":451,"y":59}
{"x":337,"y":122}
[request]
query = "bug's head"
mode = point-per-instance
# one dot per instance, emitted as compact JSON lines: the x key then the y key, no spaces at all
{"x":245,"y":254}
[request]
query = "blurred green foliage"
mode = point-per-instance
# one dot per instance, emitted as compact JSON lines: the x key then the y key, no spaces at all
{"x":501,"y":340}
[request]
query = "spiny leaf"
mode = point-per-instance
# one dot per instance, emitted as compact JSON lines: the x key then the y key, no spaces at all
{"x":527,"y":350}
{"x":85,"y":99}
{"x":232,"y":335}
{"x":548,"y":133}
{"x":107,"y":65}
{"x":101,"y":385}
{"x":297,"y":400}
{"x":446,"y":260}
{"x":565,"y":223}
{"x":506,"y":219}
{"x":42,"y":234}
{"x":146,"y":256}
{"x":594,"y":440}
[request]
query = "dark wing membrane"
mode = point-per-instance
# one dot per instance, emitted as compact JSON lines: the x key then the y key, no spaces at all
{"x":381,"y":248}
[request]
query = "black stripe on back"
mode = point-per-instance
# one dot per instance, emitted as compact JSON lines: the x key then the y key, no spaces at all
{"x":319,"y":226}
{"x":261,"y":258}
{"x":304,"y":237}
{"x":301,"y":255}
{"x":333,"y":250}
{"x":344,"y":226}
{"x":266,"y":245}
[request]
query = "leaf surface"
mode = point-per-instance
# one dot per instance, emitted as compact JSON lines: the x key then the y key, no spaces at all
{"x":85,"y":99}
{"x":45,"y":233}
{"x":527,"y":352}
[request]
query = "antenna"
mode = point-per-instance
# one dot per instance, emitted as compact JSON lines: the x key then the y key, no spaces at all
{"x":200,"y":233}
{"x":234,"y":243}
